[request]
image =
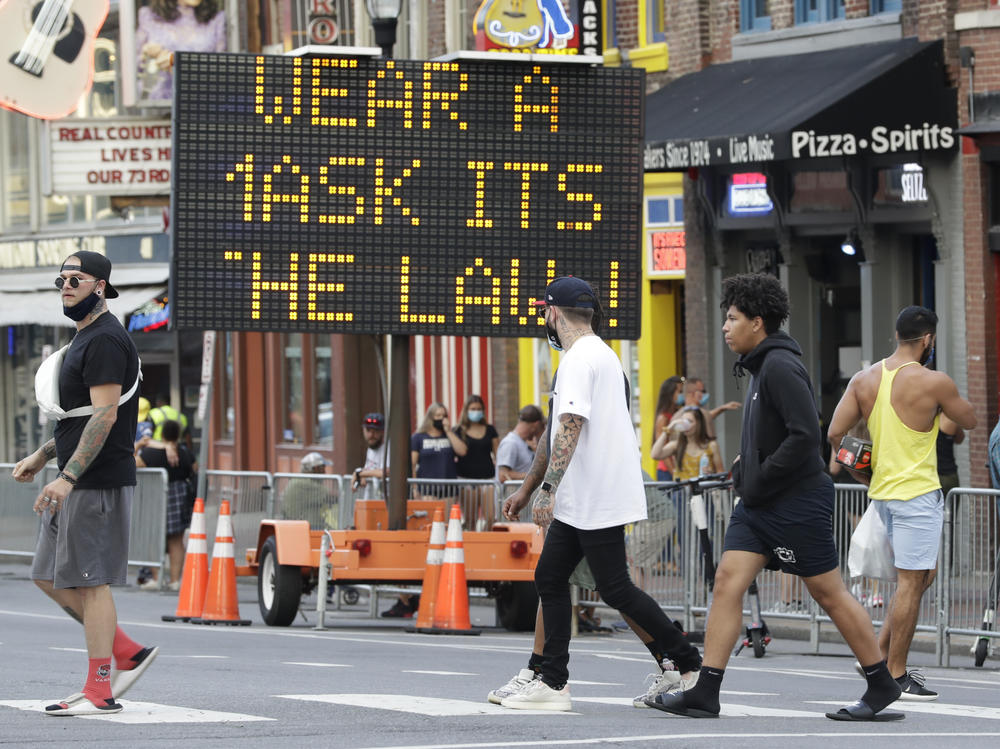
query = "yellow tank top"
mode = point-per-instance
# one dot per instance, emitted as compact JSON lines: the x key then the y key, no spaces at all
{"x":904,"y":461}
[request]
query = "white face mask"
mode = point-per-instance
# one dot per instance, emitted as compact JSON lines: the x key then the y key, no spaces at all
{"x":475,"y":416}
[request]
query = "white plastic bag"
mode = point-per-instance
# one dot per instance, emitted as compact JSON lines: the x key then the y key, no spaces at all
{"x":47,"y":388}
{"x":871,"y":553}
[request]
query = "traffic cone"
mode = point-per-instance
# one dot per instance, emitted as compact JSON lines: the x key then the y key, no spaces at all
{"x":432,"y":574}
{"x":451,"y":609}
{"x":221,"y":604}
{"x":192,"y":595}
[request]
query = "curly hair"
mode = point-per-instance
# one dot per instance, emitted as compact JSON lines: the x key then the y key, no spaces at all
{"x":167,"y":9}
{"x":757,"y":295}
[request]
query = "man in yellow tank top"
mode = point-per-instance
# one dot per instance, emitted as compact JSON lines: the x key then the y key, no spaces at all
{"x":901,"y":401}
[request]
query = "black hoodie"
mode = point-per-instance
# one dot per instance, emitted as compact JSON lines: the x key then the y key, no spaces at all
{"x":780,"y":442}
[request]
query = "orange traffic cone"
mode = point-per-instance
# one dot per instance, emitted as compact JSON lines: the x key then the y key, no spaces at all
{"x":432,"y":574}
{"x":451,"y":610}
{"x":221,"y":604}
{"x":192,"y":595}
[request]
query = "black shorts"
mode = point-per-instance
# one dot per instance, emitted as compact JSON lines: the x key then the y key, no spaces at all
{"x":795,"y":534}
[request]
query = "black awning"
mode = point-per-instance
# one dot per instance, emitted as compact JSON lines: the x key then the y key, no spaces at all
{"x":890,"y":97}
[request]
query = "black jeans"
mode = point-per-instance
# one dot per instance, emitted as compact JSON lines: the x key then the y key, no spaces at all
{"x":605,"y":552}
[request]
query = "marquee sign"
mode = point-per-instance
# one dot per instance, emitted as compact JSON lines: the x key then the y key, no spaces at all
{"x":361,"y":195}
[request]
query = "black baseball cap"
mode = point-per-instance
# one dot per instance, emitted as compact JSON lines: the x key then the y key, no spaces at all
{"x":567,"y":291}
{"x":374,"y":420}
{"x":93,"y":264}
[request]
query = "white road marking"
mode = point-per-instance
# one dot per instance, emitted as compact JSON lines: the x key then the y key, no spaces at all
{"x":595,"y":683}
{"x":936,"y":708}
{"x":728,"y":710}
{"x":406,"y":703}
{"x":145,"y":712}
{"x":670,"y":739}
{"x":440,"y":673}
{"x":69,"y":650}
{"x":181,"y":655}
{"x":317,"y":665}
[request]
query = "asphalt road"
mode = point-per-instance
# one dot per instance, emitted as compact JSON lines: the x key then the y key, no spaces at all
{"x":368,"y":683}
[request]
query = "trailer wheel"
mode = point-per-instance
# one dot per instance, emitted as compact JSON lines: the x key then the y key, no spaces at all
{"x":982,"y":650}
{"x":279,"y":587}
{"x":517,"y":603}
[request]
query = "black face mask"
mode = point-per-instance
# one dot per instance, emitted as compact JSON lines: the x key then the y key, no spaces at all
{"x":438,"y":424}
{"x":82,"y":308}
{"x":927,"y":358}
{"x":554,"y":341}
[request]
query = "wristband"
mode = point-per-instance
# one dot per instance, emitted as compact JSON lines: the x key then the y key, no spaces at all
{"x":67,"y":478}
{"x":546,"y":487}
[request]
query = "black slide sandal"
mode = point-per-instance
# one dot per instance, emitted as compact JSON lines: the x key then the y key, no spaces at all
{"x":859,"y":712}
{"x":674,"y":704}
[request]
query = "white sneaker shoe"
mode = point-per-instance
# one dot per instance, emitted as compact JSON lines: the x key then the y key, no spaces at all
{"x":524,"y":677}
{"x":665,"y":681}
{"x":537,"y":695}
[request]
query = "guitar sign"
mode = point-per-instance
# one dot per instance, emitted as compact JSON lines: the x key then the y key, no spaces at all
{"x":47,"y":54}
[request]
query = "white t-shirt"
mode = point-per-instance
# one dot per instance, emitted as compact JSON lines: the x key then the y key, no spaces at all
{"x":602,"y":486}
{"x":377,"y":457}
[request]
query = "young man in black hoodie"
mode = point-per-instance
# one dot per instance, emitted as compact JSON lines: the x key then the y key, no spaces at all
{"x":785,"y":517}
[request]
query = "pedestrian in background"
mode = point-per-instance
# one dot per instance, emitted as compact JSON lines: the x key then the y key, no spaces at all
{"x":82,"y":546}
{"x":180,"y":501}
{"x":311,"y":499}
{"x":785,"y":515}
{"x":667,"y":404}
{"x":376,"y":453}
{"x":901,"y":399}
{"x":515,"y":452}
{"x":592,"y":488}
{"x":481,"y":441}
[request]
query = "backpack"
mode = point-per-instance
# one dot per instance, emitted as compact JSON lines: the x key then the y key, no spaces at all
{"x":47,"y":388}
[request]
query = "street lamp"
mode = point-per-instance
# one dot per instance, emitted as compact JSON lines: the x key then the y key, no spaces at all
{"x":384,"y":15}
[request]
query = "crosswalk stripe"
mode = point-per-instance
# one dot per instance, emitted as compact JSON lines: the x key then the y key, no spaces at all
{"x":440,"y":673}
{"x":317,"y":665}
{"x":595,"y":683}
{"x":937,"y":708}
{"x":147,"y":712}
{"x":407,"y":703}
{"x":728,"y":710}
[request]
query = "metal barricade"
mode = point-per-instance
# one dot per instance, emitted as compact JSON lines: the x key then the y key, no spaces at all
{"x":314,"y":497}
{"x":655,"y":547}
{"x":250,"y":501}
{"x":373,"y":489}
{"x":971,"y":558}
{"x":478,"y":498}
{"x":148,"y":529}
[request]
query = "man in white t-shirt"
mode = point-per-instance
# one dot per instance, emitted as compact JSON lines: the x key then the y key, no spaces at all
{"x":592,"y":488}
{"x":514,"y":455}
{"x":376,"y":456}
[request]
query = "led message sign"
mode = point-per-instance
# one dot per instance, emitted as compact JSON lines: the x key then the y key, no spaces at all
{"x":363,"y":195}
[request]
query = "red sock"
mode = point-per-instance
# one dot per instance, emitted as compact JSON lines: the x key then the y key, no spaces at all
{"x":123,"y":649}
{"x":98,"y":686}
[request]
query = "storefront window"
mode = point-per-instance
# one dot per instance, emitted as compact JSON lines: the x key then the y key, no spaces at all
{"x":820,"y":191}
{"x":323,"y":428}
{"x":817,"y":11}
{"x":292,"y":385}
{"x":900,"y":186}
{"x":15,"y":167}
{"x":886,"y":6}
{"x":755,"y":15}
{"x":228,"y":430}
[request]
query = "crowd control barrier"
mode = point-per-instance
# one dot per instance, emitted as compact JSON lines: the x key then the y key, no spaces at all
{"x":148,"y":531}
{"x":316,"y":497}
{"x":250,"y":501}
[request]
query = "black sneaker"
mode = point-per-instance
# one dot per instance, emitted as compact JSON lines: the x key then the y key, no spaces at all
{"x":912,"y":684}
{"x":399,"y":610}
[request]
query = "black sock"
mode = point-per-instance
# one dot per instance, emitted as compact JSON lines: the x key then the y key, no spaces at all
{"x":882,"y":688}
{"x":705,"y":694}
{"x":535,"y":662}
{"x":656,"y":651}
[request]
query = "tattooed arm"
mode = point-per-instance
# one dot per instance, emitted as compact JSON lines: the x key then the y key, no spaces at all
{"x":513,"y":505}
{"x":563,"y":446}
{"x":26,"y":469}
{"x":95,"y":433}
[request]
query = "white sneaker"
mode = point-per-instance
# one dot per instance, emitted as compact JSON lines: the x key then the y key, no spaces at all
{"x":524,"y":677}
{"x":537,"y":695}
{"x":150,"y":585}
{"x":665,"y":681}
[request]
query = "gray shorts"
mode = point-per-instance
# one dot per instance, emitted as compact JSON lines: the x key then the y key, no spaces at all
{"x":85,"y":544}
{"x":914,"y":529}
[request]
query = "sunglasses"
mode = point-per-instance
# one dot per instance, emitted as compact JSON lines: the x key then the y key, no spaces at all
{"x":74,"y":281}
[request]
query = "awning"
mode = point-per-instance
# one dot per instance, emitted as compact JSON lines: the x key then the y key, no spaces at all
{"x":24,"y":301}
{"x":885,"y":98}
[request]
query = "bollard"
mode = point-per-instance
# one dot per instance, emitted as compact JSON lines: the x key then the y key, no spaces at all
{"x":324,"y":574}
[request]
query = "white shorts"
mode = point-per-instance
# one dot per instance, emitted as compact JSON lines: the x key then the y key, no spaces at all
{"x":914,"y":528}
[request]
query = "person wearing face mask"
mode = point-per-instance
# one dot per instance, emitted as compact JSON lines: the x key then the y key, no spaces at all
{"x":433,"y":449}
{"x":902,"y":405}
{"x":82,"y":546}
{"x":695,"y":394}
{"x":481,"y":442}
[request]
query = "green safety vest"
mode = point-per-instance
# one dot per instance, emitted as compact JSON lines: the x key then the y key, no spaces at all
{"x":166,"y":413}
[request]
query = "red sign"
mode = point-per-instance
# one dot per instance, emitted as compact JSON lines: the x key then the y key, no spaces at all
{"x":668,"y":253}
